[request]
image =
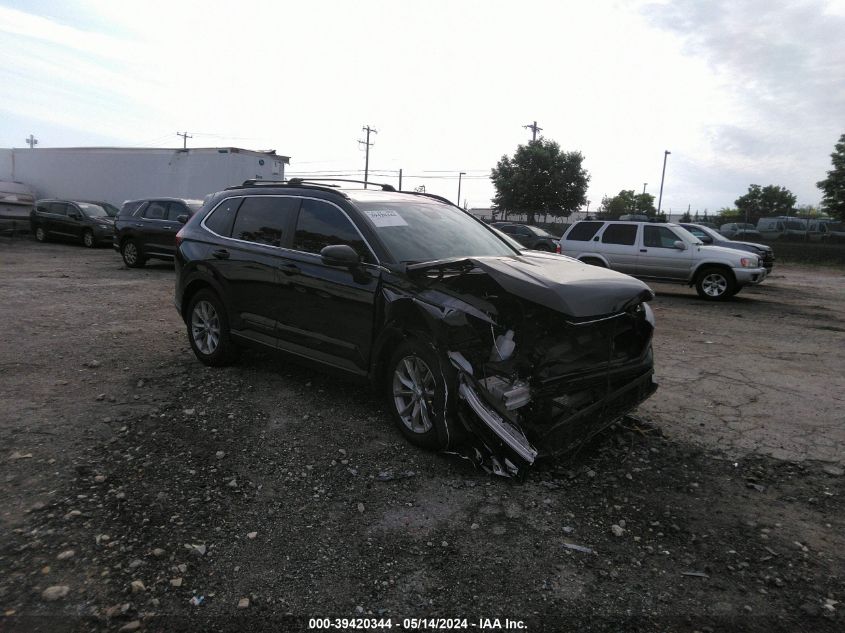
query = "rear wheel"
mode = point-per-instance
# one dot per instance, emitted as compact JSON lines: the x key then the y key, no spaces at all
{"x":40,"y":234}
{"x":88,"y":239}
{"x":417,"y":395}
{"x":132,"y":254}
{"x":208,"y":330}
{"x":715,"y":284}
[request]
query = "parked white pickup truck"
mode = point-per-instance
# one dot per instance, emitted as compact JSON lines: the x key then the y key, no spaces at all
{"x":663,"y":252}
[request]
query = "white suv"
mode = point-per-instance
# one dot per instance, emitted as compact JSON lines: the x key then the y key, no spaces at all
{"x":663,"y":252}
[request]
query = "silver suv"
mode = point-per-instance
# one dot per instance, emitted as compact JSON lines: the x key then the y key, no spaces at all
{"x":663,"y":252}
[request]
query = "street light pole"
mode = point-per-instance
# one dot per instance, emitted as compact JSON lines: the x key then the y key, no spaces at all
{"x":460,"y":174}
{"x":663,"y":175}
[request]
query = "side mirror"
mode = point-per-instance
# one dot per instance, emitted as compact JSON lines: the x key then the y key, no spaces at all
{"x":706,"y":239}
{"x":340,"y":255}
{"x":73,"y":215}
{"x":681,"y":246}
{"x":181,"y":219}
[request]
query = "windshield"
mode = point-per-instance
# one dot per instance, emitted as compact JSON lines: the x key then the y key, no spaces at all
{"x":422,"y":231}
{"x":541,"y":232}
{"x":194,"y":205}
{"x":698,"y":231}
{"x":686,"y":235}
{"x":111,"y":209}
{"x":93,"y":210}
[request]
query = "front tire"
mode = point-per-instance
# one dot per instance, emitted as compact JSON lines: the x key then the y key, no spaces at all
{"x":417,"y":395}
{"x":40,"y":234}
{"x":208,"y":330}
{"x":88,"y":239}
{"x":132,"y":254}
{"x":715,"y":284}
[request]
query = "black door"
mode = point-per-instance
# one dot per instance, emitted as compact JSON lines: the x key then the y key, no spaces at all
{"x":326,"y":312}
{"x":154,"y":231}
{"x":58,"y":222}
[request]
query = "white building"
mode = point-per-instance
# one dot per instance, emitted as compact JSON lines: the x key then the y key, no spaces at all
{"x":116,"y":174}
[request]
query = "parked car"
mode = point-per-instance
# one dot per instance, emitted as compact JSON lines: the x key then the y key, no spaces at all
{"x":78,"y":220}
{"x":17,"y":201}
{"x":712,"y":237}
{"x":795,"y":229}
{"x":531,"y":237}
{"x":663,"y":252}
{"x":516,"y":354}
{"x":146,"y":229}
{"x":740,"y":231}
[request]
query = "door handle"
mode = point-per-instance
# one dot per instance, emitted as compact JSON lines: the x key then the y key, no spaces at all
{"x":221,"y":253}
{"x":642,"y":250}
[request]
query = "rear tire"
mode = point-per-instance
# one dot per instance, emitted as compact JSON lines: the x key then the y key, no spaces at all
{"x":418,"y":395}
{"x":40,"y":234}
{"x":131,"y":253}
{"x":88,"y":239}
{"x":208,"y":330}
{"x":715,"y":284}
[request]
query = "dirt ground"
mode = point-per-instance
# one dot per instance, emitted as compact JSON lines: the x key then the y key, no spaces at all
{"x":140,"y":490}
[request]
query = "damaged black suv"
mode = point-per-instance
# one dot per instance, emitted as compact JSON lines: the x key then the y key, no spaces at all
{"x":503,"y":354}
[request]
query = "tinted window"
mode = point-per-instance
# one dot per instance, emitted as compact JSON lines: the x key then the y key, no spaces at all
{"x":221,"y":219}
{"x":156,"y":210}
{"x":93,"y":210}
{"x":620,"y":234}
{"x":321,"y":224}
{"x":264,"y":219}
{"x":508,"y":228}
{"x":659,"y":237}
{"x":176,"y":209}
{"x":59,"y":208}
{"x":583,"y":231}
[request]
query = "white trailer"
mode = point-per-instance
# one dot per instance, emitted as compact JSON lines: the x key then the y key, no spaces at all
{"x":116,"y":174}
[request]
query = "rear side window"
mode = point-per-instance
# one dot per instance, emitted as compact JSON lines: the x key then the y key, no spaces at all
{"x":584,"y":231}
{"x":659,"y":237}
{"x":264,"y":219}
{"x":59,"y":208}
{"x":625,"y":234}
{"x":223,"y":217}
{"x":156,"y":211}
{"x":321,"y":224}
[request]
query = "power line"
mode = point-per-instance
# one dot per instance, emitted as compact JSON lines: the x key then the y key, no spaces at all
{"x":185,"y":136}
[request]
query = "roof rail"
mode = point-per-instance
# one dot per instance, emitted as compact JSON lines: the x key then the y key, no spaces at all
{"x":435,"y":196}
{"x":384,"y":187}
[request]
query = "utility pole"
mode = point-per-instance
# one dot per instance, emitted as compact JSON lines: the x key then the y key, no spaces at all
{"x":458,"y":199}
{"x":185,"y":136}
{"x":660,"y":199}
{"x":534,"y":129}
{"x":400,"y":179}
{"x":367,"y":146}
{"x":32,"y":141}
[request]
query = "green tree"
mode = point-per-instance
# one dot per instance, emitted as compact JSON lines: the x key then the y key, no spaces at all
{"x":759,"y":202}
{"x":833,"y":187}
{"x":686,"y":217}
{"x":627,"y":202}
{"x":540,"y":178}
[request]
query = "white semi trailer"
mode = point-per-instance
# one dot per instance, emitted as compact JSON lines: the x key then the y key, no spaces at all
{"x":116,"y":174}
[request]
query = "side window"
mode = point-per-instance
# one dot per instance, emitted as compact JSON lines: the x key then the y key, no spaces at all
{"x":523,"y":230}
{"x":625,"y":234}
{"x":659,"y":237}
{"x":264,"y":219}
{"x":223,"y":217}
{"x":156,"y":210}
{"x":59,"y":208}
{"x":509,"y":229}
{"x":321,"y":224}
{"x":583,"y":231}
{"x":175,"y":209}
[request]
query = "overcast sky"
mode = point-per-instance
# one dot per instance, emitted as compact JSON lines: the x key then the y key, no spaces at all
{"x":739,"y":91}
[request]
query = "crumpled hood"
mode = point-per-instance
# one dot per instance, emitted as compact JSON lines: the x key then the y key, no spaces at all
{"x":560,"y":283}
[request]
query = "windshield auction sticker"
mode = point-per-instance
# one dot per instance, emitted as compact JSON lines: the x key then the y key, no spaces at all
{"x":385,"y":217}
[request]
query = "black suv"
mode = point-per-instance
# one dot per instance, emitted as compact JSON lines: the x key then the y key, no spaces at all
{"x":712,"y":237}
{"x":531,"y":237}
{"x":79,"y":220}
{"x":146,"y":229}
{"x":506,"y":354}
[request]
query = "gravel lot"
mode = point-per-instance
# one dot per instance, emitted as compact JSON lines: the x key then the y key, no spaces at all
{"x":139,"y":489}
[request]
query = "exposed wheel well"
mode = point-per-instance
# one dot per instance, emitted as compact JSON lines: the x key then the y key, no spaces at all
{"x":594,"y":261}
{"x":193,"y":288}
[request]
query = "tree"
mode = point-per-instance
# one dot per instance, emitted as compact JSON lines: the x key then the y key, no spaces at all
{"x":540,"y":178}
{"x":628,"y":202}
{"x":686,"y":217}
{"x":765,"y":201}
{"x":833,"y":187}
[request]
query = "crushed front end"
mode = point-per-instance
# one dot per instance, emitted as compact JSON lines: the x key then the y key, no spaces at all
{"x":534,"y":382}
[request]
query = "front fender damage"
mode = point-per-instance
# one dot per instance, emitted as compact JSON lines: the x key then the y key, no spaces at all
{"x":525,"y":380}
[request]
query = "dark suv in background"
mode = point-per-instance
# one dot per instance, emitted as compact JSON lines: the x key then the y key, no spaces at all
{"x":79,"y":220}
{"x":473,"y":342}
{"x":531,"y":237}
{"x":146,"y":229}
